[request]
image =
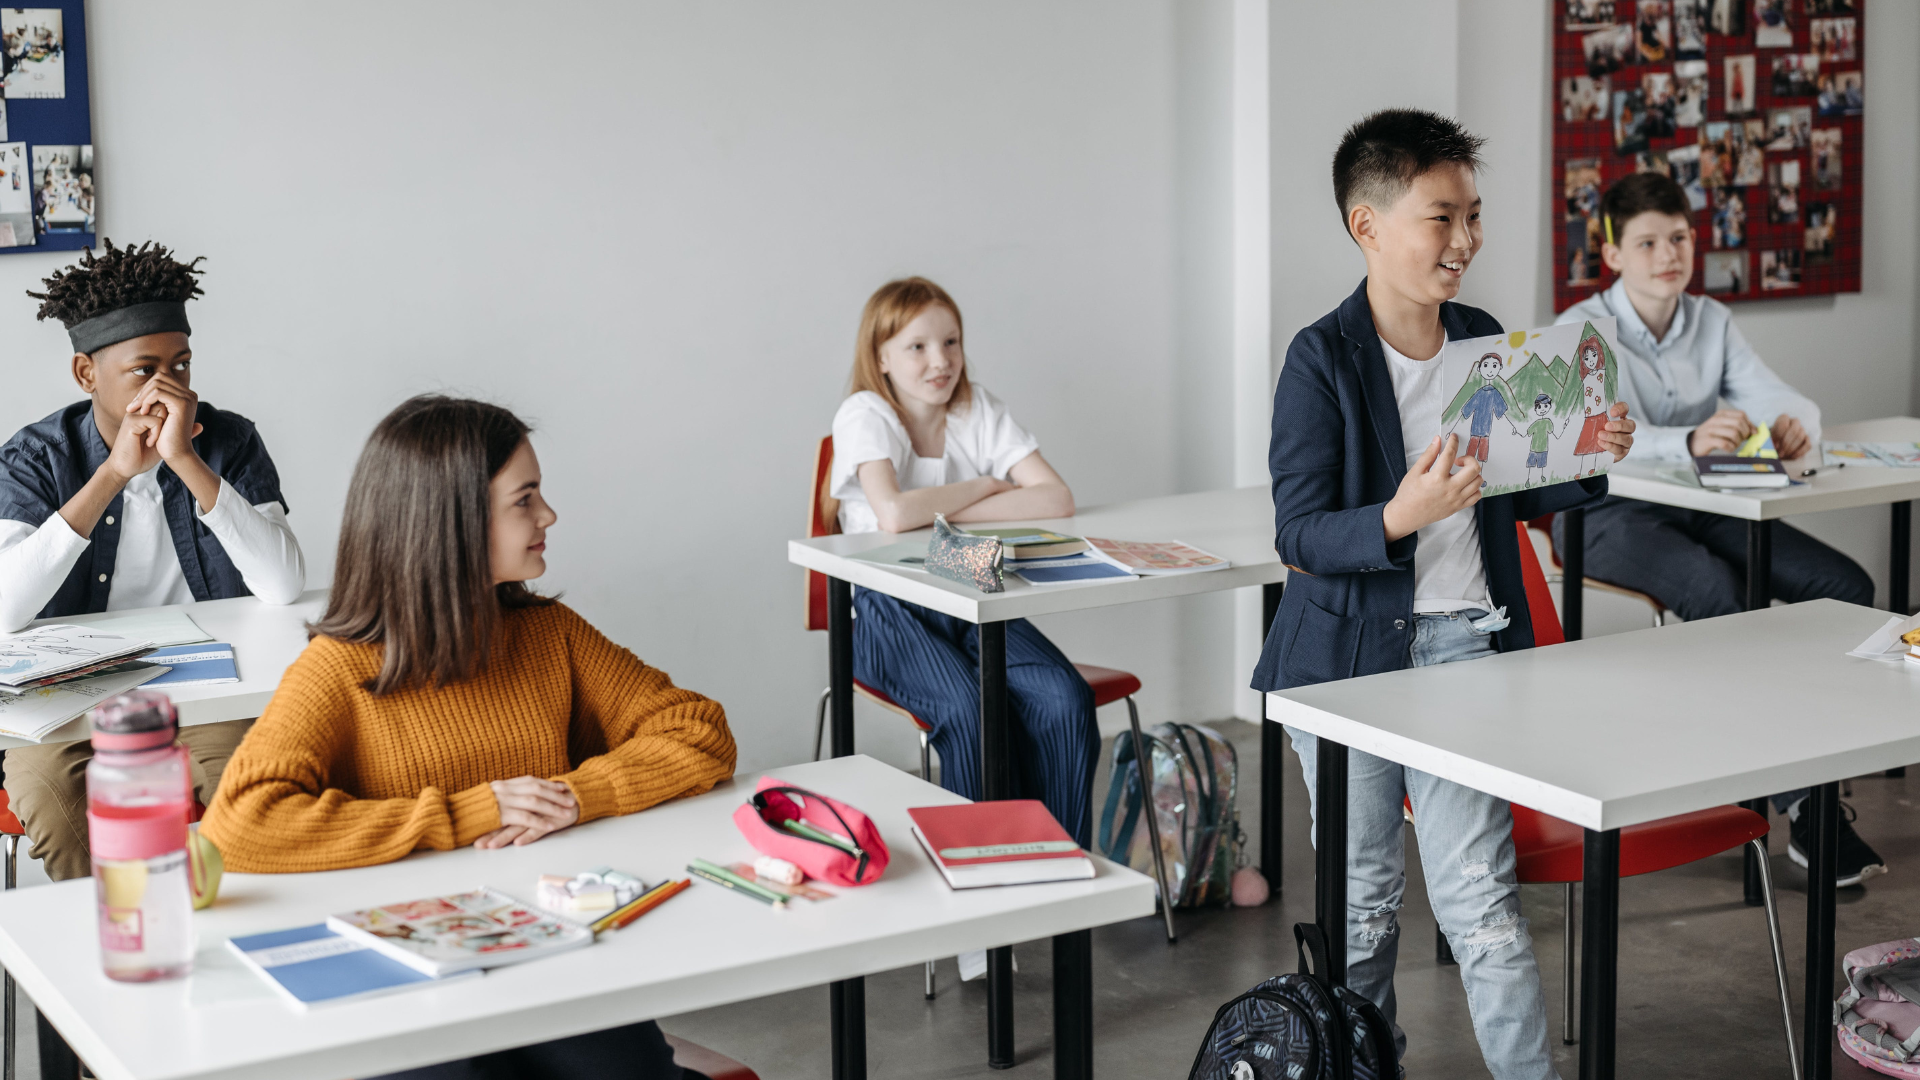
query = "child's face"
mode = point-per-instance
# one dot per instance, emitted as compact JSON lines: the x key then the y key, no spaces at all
{"x":116,"y":374}
{"x":520,"y":518}
{"x":1654,"y":254}
{"x":1542,"y":408}
{"x":924,"y":359}
{"x":1420,"y":247}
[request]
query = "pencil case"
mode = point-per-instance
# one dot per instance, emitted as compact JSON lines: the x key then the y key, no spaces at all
{"x":830,"y":841}
{"x":965,"y":558}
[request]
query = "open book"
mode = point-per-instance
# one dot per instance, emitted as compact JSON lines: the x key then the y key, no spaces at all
{"x":445,"y":934}
{"x":49,"y":653}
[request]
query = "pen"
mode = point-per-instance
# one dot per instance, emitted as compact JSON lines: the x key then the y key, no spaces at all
{"x":801,"y":828}
{"x":640,"y":905}
{"x":701,"y":868}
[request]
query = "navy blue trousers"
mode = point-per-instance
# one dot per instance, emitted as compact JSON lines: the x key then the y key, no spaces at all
{"x":930,"y":664}
{"x":634,"y":1052}
{"x":1696,"y":564}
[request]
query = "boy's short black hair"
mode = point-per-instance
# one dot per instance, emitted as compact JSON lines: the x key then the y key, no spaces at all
{"x":1542,"y":399}
{"x":1637,"y":194}
{"x":1380,"y":157}
{"x":120,"y":278}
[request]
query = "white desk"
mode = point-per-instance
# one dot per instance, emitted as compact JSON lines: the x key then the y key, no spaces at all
{"x":1827,"y":489}
{"x":1631,"y":728}
{"x":1236,"y":525}
{"x":701,"y":949}
{"x":265,"y":639}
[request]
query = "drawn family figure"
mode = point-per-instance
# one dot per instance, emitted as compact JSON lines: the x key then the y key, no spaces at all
{"x":1540,"y":433}
{"x":1488,"y":403}
{"x":1594,"y":402}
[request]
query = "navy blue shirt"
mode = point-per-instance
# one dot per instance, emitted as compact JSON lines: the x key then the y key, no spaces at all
{"x":47,"y":463}
{"x":1336,"y":458}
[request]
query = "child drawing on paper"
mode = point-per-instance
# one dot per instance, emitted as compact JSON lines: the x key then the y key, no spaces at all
{"x":1594,"y":372}
{"x":1488,"y":401}
{"x":1539,"y":434}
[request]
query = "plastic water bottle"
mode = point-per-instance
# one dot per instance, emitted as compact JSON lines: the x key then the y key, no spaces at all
{"x":138,"y":795}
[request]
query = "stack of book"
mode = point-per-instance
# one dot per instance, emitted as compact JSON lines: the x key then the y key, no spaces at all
{"x":51,"y":674}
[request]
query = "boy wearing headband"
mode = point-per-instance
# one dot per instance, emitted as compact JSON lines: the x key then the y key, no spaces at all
{"x":140,"y":496}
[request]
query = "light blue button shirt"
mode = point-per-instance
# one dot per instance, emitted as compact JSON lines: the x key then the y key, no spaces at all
{"x":1673,"y":384}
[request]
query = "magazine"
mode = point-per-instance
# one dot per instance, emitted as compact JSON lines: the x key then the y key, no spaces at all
{"x":1871,"y":455}
{"x":36,"y":655}
{"x":312,"y":965}
{"x":441,"y":935}
{"x":37,"y":713}
{"x":1149,"y":559}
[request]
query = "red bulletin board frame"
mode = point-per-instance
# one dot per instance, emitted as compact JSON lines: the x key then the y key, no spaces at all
{"x":1580,"y":139}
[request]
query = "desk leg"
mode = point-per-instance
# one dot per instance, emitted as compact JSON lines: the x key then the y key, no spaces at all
{"x":1901,"y":557}
{"x":1273,"y":761}
{"x":1330,"y":854}
{"x":1759,"y":595}
{"x":1073,"y":1006}
{"x":996,"y":782}
{"x":840,"y":663}
{"x":1573,"y":572}
{"x":1599,"y":953}
{"x":1816,"y":1039}
{"x":849,"y":998}
{"x":849,"y":1029}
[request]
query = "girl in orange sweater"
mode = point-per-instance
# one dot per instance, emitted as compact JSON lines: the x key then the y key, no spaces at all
{"x":442,"y":703}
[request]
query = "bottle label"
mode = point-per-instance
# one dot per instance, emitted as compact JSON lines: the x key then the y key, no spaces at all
{"x":120,"y":929}
{"x":142,"y":832}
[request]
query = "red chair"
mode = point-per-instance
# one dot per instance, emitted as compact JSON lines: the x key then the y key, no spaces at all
{"x":11,"y":828}
{"x":716,"y":1065}
{"x":1109,"y":684}
{"x":1551,"y":851}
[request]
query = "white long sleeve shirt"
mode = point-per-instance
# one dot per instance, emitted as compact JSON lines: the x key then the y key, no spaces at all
{"x":36,"y":558}
{"x":1672,"y":384}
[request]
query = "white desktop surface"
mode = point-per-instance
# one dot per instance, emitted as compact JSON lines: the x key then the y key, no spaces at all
{"x":1235,"y":524}
{"x":265,"y":639}
{"x":702,"y":948}
{"x":1626,"y":728}
{"x":1828,"y":489}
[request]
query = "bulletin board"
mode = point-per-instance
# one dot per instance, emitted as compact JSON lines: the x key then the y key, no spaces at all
{"x":46,"y":129}
{"x":1754,"y":106}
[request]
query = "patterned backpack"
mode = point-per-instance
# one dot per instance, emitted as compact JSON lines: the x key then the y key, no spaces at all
{"x":1192,"y":782}
{"x":1295,"y":1027}
{"x":1879,"y":1015}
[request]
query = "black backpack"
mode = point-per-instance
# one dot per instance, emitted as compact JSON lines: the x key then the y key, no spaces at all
{"x":1296,"y":1027}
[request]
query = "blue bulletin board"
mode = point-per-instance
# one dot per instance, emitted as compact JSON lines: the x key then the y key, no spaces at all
{"x":46,"y":131}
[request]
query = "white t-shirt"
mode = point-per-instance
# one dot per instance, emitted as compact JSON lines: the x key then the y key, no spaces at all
{"x":1447,"y":572}
{"x":982,"y":440}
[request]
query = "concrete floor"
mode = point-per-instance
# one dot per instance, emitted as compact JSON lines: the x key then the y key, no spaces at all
{"x":1696,"y":990}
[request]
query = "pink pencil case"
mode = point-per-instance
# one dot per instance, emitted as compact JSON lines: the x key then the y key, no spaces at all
{"x":852,"y":852}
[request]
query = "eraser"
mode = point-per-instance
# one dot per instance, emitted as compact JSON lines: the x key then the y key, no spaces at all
{"x":778,"y":871}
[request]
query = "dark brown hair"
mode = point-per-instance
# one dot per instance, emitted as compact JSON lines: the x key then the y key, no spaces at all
{"x":412,"y":572}
{"x":1634,"y":195}
{"x":124,"y":276}
{"x":1381,"y":156}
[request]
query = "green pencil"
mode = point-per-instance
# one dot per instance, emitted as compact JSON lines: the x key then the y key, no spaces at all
{"x":720,"y":875}
{"x":801,"y":828}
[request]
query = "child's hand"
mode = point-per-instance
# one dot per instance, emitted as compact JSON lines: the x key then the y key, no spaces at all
{"x":1721,"y":433}
{"x":530,"y":808}
{"x":1428,"y":494}
{"x":135,"y":448}
{"x":1790,"y":438}
{"x":167,"y":399}
{"x":1617,"y":435}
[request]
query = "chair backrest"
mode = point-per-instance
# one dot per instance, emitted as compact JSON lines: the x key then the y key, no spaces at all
{"x":1544,"y":523}
{"x":1546,"y":621}
{"x":823,"y":519}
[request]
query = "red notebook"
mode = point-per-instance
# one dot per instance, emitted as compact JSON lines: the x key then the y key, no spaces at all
{"x":1011,"y":842}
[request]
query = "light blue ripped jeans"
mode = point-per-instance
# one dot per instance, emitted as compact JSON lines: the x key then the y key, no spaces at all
{"x":1466,"y":849}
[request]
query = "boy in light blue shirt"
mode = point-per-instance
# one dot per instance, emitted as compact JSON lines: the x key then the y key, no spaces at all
{"x":1680,"y":357}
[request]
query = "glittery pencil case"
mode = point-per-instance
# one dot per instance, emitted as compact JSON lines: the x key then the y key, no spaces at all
{"x":965,"y":558}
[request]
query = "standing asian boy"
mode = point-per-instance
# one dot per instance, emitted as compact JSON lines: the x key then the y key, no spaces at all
{"x":1398,"y":561}
{"x":1680,"y":357}
{"x":139,"y":496}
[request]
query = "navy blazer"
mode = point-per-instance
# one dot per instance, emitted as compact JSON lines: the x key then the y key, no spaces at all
{"x":47,"y":463}
{"x":1336,"y":458}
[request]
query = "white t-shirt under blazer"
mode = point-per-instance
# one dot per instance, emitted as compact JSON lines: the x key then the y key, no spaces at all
{"x":982,"y":440}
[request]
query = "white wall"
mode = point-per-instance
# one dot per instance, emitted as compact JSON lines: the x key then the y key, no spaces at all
{"x":649,"y":227}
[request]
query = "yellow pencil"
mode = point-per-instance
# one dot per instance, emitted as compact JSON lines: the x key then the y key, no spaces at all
{"x":639,"y":906}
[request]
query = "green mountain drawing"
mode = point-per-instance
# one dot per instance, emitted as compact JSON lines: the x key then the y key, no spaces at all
{"x":1534,"y":378}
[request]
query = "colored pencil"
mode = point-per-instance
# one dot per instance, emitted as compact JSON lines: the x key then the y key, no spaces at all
{"x":719,"y":875}
{"x":638,"y":906}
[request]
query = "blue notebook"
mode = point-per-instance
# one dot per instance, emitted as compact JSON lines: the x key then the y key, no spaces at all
{"x":1065,"y":571}
{"x":194,"y":665}
{"x":312,"y":965}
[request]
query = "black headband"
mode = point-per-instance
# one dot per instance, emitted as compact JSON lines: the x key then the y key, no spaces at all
{"x":124,"y":324}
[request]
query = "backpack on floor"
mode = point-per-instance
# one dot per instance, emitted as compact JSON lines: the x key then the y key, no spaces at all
{"x":1295,"y":1027}
{"x":1192,"y":779}
{"x":1879,"y":1015}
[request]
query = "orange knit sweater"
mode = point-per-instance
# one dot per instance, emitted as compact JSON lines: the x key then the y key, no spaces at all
{"x":331,"y":776}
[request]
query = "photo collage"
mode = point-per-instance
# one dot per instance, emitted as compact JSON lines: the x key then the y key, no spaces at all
{"x":1751,"y":106}
{"x":46,"y":188}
